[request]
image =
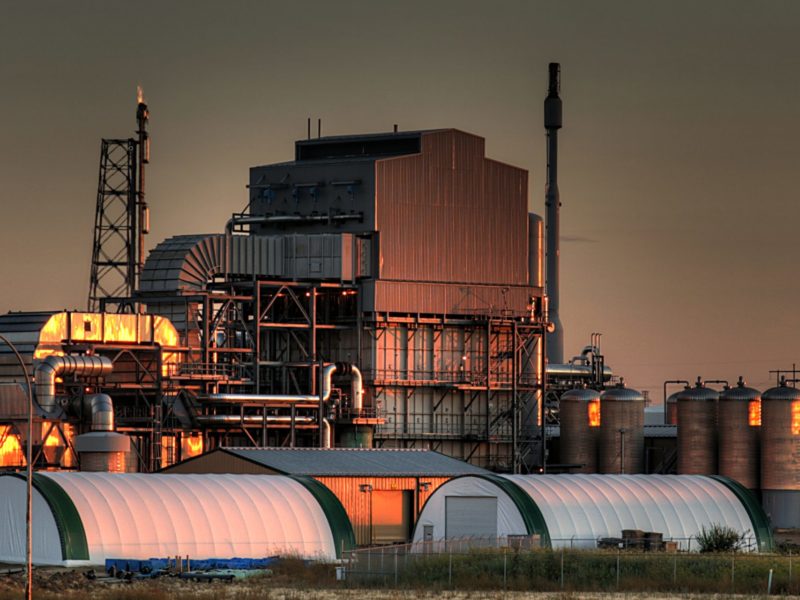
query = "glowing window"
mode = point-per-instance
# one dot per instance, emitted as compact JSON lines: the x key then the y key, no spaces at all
{"x":594,"y":413}
{"x":754,"y":413}
{"x":796,"y":417}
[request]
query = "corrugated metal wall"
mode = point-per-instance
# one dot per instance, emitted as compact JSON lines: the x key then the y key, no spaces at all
{"x":451,"y":215}
{"x":357,"y":503}
{"x":446,"y":299}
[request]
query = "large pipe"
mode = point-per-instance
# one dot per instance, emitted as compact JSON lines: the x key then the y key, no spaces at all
{"x":573,"y":371}
{"x":356,"y":393}
{"x":55,"y":366}
{"x":233,"y":420}
{"x":327,"y":434}
{"x":535,"y":250}
{"x":102,"y":409}
{"x":552,"y":123}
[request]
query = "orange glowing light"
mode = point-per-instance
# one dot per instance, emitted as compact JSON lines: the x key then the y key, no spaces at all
{"x":191,"y":446}
{"x":754,"y":413}
{"x":53,"y":438}
{"x":139,"y":95}
{"x":796,"y":417}
{"x":107,"y":328}
{"x":10,"y":449}
{"x":593,"y":408}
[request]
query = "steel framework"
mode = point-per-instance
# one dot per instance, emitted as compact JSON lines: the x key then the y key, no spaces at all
{"x":113,"y":269}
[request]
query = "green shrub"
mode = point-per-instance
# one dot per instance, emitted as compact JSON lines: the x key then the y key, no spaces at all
{"x":720,"y":538}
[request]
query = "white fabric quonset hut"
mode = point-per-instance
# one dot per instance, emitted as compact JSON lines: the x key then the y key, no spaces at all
{"x":577,"y":510}
{"x":85,"y":518}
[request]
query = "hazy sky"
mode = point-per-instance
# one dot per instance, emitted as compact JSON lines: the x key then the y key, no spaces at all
{"x":678,"y":166}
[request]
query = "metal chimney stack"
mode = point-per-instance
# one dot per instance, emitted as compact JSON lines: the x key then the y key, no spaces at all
{"x":552,"y":123}
{"x":143,"y":212}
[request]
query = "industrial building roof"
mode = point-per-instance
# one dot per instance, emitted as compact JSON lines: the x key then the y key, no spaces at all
{"x":354,"y":462}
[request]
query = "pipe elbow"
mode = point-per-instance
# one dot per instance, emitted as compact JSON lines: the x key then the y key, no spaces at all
{"x":102,"y":409}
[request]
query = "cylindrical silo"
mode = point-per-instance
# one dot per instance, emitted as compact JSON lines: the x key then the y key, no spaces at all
{"x":621,"y":439}
{"x":579,"y":412}
{"x":739,"y":416}
{"x":671,"y":409}
{"x":697,"y":435}
{"x":780,"y":455}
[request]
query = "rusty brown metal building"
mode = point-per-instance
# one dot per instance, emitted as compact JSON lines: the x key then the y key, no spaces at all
{"x":407,"y":254}
{"x":382,"y":491}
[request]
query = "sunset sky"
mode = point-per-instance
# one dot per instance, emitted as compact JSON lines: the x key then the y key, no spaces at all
{"x":679,"y":153}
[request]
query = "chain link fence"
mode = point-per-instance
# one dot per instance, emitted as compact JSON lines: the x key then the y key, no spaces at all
{"x":517,"y":564}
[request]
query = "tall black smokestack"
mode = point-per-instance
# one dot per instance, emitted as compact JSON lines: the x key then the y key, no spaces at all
{"x":143,"y":212}
{"x":552,"y":123}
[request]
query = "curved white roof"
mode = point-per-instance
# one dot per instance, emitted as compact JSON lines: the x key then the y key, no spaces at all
{"x":576,"y":510}
{"x":142,"y":516}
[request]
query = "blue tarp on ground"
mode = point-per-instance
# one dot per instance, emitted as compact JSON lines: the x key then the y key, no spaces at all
{"x":157,"y":564}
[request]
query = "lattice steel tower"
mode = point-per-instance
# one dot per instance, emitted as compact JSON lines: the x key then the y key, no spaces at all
{"x":121,"y":218}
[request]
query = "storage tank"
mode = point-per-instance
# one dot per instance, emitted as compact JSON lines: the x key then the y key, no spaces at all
{"x":780,"y":455}
{"x":621,"y":438}
{"x":739,"y":415}
{"x":579,"y":411}
{"x":671,"y":409}
{"x":697,"y":436}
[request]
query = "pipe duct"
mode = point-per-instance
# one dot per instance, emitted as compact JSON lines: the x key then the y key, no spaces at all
{"x":56,"y":366}
{"x":102,"y":409}
{"x":233,"y":420}
{"x":327,"y":434}
{"x":328,"y":371}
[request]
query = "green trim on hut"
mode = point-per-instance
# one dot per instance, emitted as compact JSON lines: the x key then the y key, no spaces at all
{"x":761,"y":526}
{"x":341,"y":528}
{"x":531,"y":514}
{"x":68,"y":521}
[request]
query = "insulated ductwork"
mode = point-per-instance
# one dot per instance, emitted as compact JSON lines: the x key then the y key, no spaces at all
{"x":56,"y":366}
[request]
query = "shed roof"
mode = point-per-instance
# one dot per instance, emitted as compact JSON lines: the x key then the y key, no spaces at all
{"x":356,"y":462}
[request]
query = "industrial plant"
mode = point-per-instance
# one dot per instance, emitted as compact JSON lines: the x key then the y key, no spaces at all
{"x":372,"y":350}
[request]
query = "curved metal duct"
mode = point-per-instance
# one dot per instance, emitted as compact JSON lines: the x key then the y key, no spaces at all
{"x":327,"y":434}
{"x":184,"y":262}
{"x":55,"y":366}
{"x":102,"y":408}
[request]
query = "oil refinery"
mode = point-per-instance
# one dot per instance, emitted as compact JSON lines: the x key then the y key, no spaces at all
{"x":385,"y":299}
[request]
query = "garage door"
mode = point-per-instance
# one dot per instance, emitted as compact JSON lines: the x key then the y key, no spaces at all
{"x":470,"y":517}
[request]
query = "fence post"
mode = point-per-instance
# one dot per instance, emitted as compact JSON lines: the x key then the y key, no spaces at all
{"x":369,"y":562}
{"x":769,"y":583}
{"x":790,"y":566}
{"x":619,"y":553}
{"x":733,"y":571}
{"x":505,"y":577}
{"x":450,"y":569}
{"x":562,"y":567}
{"x":395,"y":566}
{"x":675,"y":568}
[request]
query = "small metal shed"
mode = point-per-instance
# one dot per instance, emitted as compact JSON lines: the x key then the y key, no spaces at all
{"x":382,"y":490}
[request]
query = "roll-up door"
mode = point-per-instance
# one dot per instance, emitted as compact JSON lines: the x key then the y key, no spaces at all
{"x":470,"y":516}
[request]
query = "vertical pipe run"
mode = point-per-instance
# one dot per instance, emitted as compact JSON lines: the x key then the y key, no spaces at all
{"x":552,"y":123}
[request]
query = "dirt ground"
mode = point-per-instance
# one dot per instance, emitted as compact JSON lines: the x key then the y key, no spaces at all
{"x":50,"y":584}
